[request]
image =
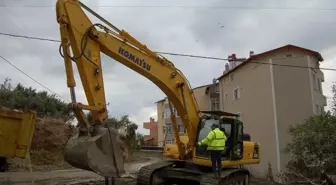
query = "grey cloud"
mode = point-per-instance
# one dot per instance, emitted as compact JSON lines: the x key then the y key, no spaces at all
{"x":179,"y":30}
{"x":266,"y":28}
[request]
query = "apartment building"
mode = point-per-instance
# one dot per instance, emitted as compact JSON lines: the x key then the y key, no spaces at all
{"x":160,"y":121}
{"x":270,"y":96}
{"x":207,"y":98}
{"x":152,"y":138}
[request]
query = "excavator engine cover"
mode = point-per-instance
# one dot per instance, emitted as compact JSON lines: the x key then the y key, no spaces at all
{"x":101,"y":152}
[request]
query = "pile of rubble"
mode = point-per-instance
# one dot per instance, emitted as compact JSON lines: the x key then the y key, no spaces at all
{"x":46,"y":152}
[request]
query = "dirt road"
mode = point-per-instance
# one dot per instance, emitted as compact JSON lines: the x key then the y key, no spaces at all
{"x":70,"y":176}
{"x":81,"y":177}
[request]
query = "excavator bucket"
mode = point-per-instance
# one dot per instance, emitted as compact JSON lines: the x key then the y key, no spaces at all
{"x":101,"y":152}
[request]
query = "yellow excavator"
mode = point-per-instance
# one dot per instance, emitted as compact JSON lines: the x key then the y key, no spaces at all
{"x":97,"y":147}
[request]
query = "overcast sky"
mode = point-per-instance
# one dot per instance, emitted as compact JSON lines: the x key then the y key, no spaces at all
{"x":212,"y":28}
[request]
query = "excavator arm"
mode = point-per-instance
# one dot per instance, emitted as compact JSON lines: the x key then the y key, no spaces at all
{"x":86,"y":41}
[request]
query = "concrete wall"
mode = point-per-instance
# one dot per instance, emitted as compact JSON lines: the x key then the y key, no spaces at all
{"x":152,"y":138}
{"x":255,"y":106}
{"x":317,"y":77}
{"x":272,"y":98}
{"x":164,"y":122}
{"x":293,"y":96}
{"x":202,"y":99}
{"x":160,"y":122}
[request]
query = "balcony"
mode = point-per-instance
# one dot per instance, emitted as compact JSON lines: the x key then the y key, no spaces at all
{"x":152,"y":138}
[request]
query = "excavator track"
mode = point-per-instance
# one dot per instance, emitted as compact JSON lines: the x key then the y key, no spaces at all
{"x":144,"y":176}
{"x":228,"y":177}
{"x":164,"y":172}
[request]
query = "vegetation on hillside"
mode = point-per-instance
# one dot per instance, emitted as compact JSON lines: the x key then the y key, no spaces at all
{"x":123,"y":125}
{"x":46,"y":105}
{"x":333,"y":106}
{"x":50,"y":106}
{"x":52,"y":132}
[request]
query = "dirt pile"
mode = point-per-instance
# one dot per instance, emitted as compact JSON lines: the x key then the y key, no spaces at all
{"x":46,"y":153}
{"x":51,"y":134}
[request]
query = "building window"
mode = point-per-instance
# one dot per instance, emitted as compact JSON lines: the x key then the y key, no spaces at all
{"x":167,"y":113}
{"x":181,"y":128}
{"x":231,"y":77}
{"x":319,"y":85}
{"x":314,"y":80}
{"x":170,"y":141}
{"x":168,"y":129}
{"x":289,"y":55}
{"x":217,"y":88}
{"x":215,"y":103}
{"x":236,"y":94}
{"x":316,"y":83}
{"x":317,"y":109}
{"x":322,"y":110}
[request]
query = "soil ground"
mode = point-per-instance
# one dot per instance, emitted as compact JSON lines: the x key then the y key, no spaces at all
{"x":49,"y":168}
{"x":73,"y":176}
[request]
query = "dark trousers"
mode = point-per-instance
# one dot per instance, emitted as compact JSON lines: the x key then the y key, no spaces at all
{"x":216,"y":158}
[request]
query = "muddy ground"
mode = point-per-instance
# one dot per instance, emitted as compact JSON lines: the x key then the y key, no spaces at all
{"x":73,"y":176}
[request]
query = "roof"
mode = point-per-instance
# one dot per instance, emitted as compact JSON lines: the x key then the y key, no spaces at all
{"x":289,"y":46}
{"x":191,"y":89}
{"x":220,"y":113}
{"x":201,"y":86}
{"x":160,"y":101}
{"x":207,"y":89}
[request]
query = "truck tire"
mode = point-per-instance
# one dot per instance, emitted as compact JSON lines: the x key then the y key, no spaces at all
{"x":3,"y":164}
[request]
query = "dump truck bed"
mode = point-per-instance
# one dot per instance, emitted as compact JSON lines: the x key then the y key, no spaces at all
{"x":16,"y":132}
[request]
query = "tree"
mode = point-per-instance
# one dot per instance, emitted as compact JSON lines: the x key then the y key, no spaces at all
{"x":313,"y":147}
{"x":21,"y":97}
{"x":124,"y":124}
{"x":140,"y":138}
{"x":6,"y":95}
{"x":333,"y":106}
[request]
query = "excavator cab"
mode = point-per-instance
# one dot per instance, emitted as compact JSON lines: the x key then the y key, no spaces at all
{"x":230,"y":125}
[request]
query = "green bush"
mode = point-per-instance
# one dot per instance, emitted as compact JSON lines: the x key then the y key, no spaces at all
{"x":313,"y":146}
{"x":46,"y":105}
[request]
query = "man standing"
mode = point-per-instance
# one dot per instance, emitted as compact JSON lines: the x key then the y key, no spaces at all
{"x":216,"y":144}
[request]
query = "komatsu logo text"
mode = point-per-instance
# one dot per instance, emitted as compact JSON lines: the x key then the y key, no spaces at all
{"x":130,"y":56}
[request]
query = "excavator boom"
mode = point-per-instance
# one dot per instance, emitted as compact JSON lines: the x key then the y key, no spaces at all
{"x":87,"y":41}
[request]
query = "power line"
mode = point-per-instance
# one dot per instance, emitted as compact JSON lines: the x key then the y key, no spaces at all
{"x":31,"y":77}
{"x":285,"y":65}
{"x":194,"y":56}
{"x":182,"y":6}
{"x":28,"y":37}
{"x":177,"y":54}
